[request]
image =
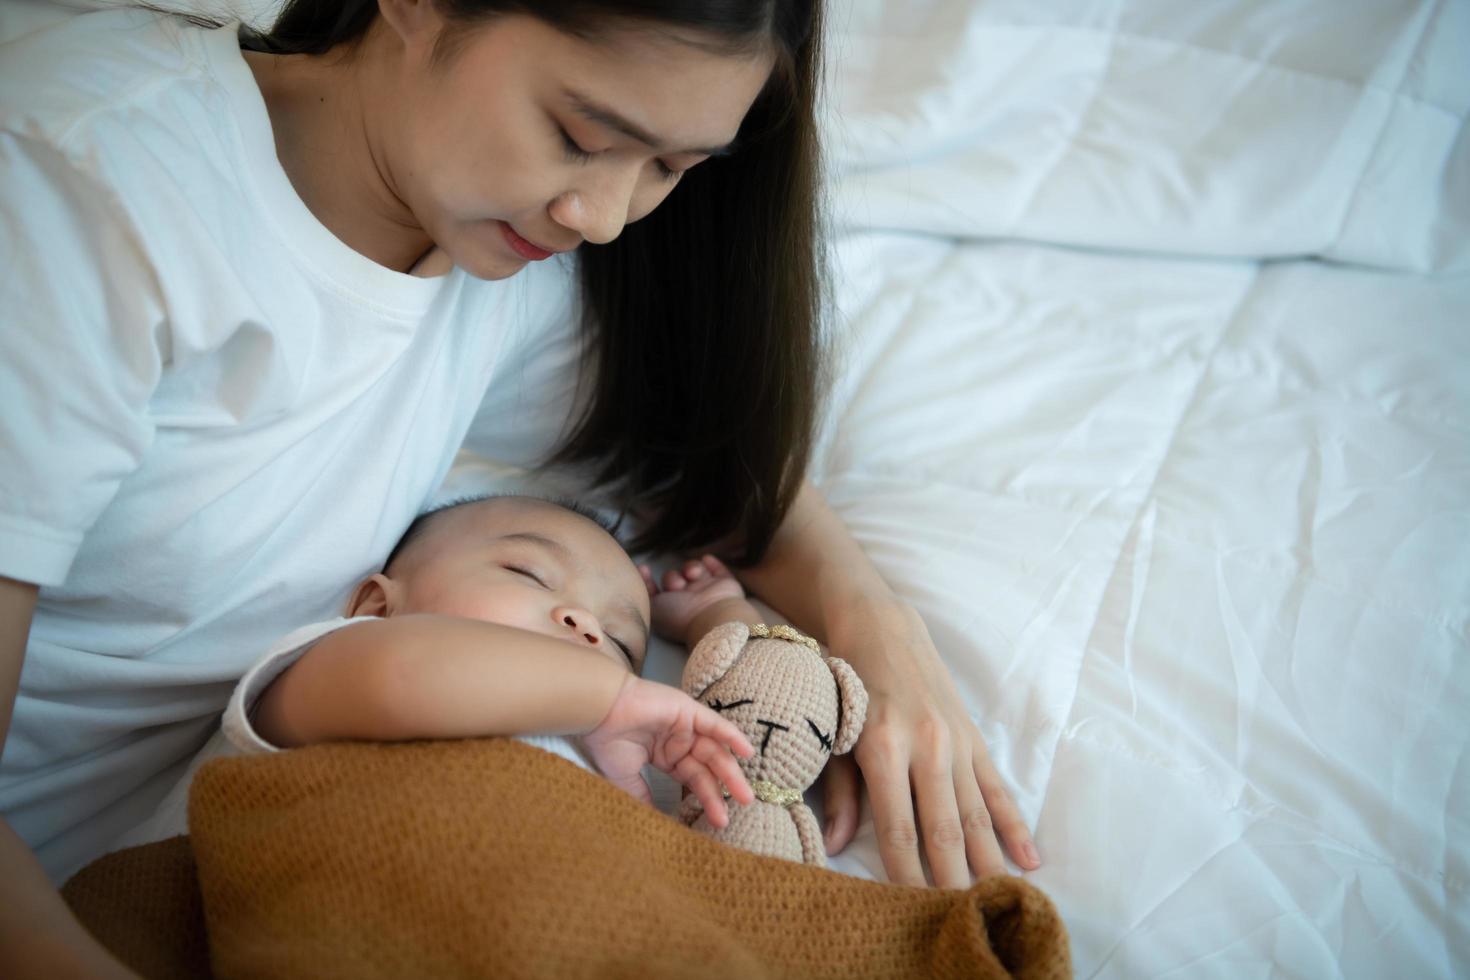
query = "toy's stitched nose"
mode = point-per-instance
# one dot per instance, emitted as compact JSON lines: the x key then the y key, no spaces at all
{"x":771,"y":726}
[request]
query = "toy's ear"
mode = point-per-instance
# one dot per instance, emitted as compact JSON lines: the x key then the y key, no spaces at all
{"x":853,"y":698}
{"x":713,"y":656}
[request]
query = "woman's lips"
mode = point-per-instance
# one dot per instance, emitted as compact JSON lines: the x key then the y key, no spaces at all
{"x":523,"y":248}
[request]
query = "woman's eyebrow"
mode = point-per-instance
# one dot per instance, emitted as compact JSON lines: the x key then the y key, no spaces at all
{"x":607,"y":117}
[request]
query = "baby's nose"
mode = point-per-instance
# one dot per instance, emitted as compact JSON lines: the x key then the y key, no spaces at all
{"x":581,"y":624}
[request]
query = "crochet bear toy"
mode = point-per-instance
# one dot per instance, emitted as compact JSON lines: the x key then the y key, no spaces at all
{"x":797,"y":707}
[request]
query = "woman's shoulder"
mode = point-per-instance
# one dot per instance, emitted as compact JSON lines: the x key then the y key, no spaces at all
{"x":54,"y":80}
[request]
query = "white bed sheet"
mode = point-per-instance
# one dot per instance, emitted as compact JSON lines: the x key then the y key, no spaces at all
{"x":1147,"y":407}
{"x":1194,"y":538}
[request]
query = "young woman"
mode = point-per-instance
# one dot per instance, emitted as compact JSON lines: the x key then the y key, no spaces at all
{"x":255,"y":299}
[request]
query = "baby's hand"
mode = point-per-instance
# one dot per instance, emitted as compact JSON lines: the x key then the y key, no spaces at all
{"x":688,"y":591}
{"x":655,"y":724}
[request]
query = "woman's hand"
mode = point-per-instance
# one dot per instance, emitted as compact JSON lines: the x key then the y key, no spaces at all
{"x":928,"y":775}
{"x":655,"y":724}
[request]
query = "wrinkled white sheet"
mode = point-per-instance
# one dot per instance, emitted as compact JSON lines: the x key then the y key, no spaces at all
{"x":1189,"y":521}
{"x":1194,"y":538}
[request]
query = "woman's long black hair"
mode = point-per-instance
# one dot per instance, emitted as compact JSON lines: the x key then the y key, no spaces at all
{"x":703,"y":360}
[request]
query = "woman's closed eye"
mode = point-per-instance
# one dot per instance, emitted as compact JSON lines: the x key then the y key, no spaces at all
{"x":577,"y":154}
{"x":574,"y":149}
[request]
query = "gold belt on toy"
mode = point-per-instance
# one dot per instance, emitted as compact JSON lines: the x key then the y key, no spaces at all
{"x":771,"y":793}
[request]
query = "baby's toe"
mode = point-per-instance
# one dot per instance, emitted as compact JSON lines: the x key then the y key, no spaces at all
{"x":673,"y":581}
{"x":693,"y":570}
{"x":714,"y":565}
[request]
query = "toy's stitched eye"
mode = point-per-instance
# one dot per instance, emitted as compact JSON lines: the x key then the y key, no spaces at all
{"x":825,"y":740}
{"x":719,"y":705}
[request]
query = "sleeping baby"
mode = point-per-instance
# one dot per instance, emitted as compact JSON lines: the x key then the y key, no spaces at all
{"x":498,"y":616}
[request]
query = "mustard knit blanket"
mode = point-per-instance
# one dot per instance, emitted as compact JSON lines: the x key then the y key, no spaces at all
{"x":494,"y":858}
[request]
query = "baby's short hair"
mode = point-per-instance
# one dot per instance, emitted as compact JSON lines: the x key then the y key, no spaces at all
{"x":421,"y":523}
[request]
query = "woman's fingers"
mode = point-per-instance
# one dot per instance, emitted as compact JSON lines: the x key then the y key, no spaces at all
{"x":1005,"y":815}
{"x":981,"y":849}
{"x":841,"y":803}
{"x":885,"y":764}
{"x":949,"y":803}
{"x":939,"y":814}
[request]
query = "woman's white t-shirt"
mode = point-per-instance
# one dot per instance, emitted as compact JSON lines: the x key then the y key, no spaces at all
{"x":215,"y":417}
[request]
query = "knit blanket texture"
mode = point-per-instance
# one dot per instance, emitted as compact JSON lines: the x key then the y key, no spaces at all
{"x":492,"y":858}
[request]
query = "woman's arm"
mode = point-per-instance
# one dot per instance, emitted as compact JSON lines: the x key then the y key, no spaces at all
{"x":919,"y":744}
{"x":424,"y":676}
{"x":38,"y":935}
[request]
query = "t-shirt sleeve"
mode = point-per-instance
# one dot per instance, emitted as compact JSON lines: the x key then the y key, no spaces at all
{"x":82,"y":337}
{"x":237,"y":724}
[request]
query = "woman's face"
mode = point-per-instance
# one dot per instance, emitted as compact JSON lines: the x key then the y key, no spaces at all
{"x":527,"y":140}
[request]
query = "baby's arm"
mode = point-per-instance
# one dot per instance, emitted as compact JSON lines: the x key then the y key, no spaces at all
{"x":425,"y":676}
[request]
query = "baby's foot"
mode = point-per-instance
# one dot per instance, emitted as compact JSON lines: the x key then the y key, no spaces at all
{"x":687,"y":591}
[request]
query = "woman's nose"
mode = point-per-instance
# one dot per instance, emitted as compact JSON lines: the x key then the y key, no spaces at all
{"x":579,"y":625}
{"x":597,"y":211}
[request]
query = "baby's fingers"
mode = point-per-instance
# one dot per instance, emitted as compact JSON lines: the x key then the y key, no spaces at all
{"x":718,"y":760}
{"x":703,"y":785}
{"x":726,"y":733}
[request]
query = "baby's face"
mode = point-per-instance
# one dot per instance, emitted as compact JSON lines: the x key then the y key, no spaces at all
{"x":533,"y":565}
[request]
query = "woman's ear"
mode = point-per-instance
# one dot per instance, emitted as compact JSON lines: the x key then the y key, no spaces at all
{"x":376,"y":596}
